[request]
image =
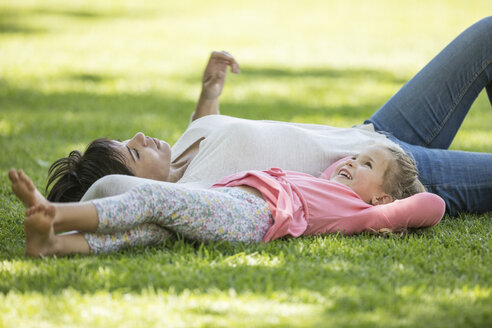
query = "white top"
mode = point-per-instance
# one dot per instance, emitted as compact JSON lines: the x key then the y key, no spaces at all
{"x":233,"y":144}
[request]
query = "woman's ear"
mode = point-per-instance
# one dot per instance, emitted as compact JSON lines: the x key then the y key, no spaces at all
{"x":381,"y":199}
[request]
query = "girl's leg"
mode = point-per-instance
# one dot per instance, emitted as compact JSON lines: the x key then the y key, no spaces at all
{"x":143,"y":235}
{"x":44,"y":218}
{"x":42,"y":241}
{"x":429,"y":109}
{"x":226,"y":214}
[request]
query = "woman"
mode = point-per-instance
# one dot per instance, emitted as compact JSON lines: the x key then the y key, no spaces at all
{"x":422,"y":118}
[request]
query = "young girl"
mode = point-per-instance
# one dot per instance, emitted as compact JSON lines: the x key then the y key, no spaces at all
{"x":373,"y":190}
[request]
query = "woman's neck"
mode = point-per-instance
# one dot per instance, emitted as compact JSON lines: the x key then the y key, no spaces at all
{"x":177,"y":170}
{"x":181,"y":163}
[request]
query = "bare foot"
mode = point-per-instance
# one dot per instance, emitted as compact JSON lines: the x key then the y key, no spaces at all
{"x":24,"y":189}
{"x":38,"y":226}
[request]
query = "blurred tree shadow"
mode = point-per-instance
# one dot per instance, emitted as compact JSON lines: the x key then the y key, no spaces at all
{"x":23,"y":20}
{"x":378,"y":75}
{"x":11,"y":23}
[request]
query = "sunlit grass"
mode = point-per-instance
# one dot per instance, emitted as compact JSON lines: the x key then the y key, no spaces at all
{"x":187,"y":309}
{"x":73,"y":71}
{"x":223,"y":308}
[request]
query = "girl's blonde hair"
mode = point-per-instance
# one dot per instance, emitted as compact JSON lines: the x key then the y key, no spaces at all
{"x":400,"y":181}
{"x":401,"y":177}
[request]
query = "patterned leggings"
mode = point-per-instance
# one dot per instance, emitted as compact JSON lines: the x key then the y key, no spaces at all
{"x":150,"y":213}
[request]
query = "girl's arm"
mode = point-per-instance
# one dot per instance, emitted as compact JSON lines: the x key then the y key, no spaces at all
{"x":213,"y":82}
{"x":418,"y":211}
{"x":354,"y":216}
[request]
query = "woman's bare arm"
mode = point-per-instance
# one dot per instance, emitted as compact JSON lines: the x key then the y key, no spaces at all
{"x":213,"y":83}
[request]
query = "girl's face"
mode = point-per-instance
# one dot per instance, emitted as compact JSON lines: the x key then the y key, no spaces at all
{"x":146,"y":157}
{"x":364,"y":173}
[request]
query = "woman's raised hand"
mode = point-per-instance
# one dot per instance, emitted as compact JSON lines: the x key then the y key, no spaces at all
{"x":214,"y":76}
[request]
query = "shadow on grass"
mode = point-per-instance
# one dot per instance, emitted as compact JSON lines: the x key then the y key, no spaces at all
{"x":293,"y":111}
{"x":11,"y":23}
{"x":80,"y":14}
{"x":90,"y":77}
{"x":8,"y":27}
{"x":328,"y":73}
{"x":82,"y":115}
{"x":14,"y":21}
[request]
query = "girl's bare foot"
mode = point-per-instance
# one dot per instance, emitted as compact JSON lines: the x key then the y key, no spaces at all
{"x":24,"y":189}
{"x":38,"y":226}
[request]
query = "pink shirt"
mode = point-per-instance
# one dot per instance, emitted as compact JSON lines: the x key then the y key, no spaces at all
{"x":304,"y":205}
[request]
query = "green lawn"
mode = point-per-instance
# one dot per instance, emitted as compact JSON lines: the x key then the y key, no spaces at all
{"x":72,"y":71}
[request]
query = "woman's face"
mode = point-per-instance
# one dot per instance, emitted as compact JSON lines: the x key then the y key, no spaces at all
{"x":146,"y":157}
{"x":364,"y":173}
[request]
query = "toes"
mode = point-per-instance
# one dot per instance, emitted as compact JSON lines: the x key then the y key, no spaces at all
{"x":13,"y":175}
{"x":24,"y":178}
{"x":36,"y":209}
{"x":31,"y":210}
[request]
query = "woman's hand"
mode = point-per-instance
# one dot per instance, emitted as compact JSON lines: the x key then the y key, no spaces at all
{"x":213,"y":82}
{"x":215,"y":73}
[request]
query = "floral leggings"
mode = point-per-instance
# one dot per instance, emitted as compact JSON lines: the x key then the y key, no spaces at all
{"x":151,"y":213}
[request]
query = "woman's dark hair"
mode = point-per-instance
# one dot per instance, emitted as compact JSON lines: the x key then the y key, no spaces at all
{"x":71,"y":176}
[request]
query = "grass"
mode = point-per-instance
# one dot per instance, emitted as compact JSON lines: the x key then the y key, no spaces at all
{"x":74,"y":71}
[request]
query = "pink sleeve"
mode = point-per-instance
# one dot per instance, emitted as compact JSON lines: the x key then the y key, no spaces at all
{"x":418,"y":211}
{"x":329,"y":171}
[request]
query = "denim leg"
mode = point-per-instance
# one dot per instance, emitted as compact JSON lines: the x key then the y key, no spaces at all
{"x":462,"y":179}
{"x":430,"y":108}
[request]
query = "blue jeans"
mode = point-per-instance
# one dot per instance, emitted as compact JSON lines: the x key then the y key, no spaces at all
{"x":426,"y":113}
